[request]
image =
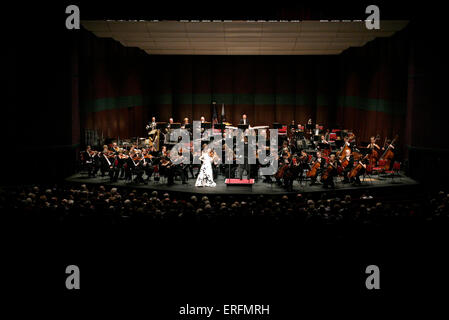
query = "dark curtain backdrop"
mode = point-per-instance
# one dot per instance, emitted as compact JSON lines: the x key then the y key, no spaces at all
{"x":363,"y":89}
{"x":370,"y":89}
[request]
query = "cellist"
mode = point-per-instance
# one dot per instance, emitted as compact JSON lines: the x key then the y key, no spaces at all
{"x":374,"y":153}
{"x":327,"y":177}
{"x":322,"y":162}
{"x":348,"y":160}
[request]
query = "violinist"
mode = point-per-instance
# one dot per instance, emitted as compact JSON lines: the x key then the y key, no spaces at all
{"x":91,"y":161}
{"x":176,"y":168}
{"x":148,"y":162}
{"x":138,"y":169}
{"x":105,"y":160}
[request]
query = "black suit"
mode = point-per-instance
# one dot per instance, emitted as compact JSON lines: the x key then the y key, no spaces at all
{"x":242,"y":122}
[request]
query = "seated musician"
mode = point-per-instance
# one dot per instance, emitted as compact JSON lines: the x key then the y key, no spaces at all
{"x":184,"y":122}
{"x":348,"y":168}
{"x":316,"y":131}
{"x":322,"y":162}
{"x":244,"y":119}
{"x":147,"y":163}
{"x":348,"y":163}
{"x":331,"y":170}
{"x":388,"y":144}
{"x":170,"y":122}
{"x":346,"y":142}
{"x":373,"y":144}
{"x":323,"y":140}
{"x":152,"y":124}
{"x":177,"y":167}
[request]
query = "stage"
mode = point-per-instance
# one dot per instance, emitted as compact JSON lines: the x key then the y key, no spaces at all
{"x":259,"y":187}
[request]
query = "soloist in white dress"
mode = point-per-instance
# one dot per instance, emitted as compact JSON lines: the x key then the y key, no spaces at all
{"x":205,"y":177}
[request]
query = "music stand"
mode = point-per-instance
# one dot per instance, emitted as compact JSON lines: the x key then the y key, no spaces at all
{"x":206,"y":125}
{"x":324,"y":146}
{"x":277,"y":125}
{"x":221,"y":127}
{"x":160,"y":126}
{"x":175,"y":126}
{"x":339,"y":143}
{"x":243,"y":127}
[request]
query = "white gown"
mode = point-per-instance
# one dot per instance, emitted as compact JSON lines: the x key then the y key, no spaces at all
{"x":205,"y":177}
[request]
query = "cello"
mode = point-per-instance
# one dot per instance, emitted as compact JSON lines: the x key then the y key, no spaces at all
{"x":356,"y":170}
{"x":314,"y":170}
{"x":388,"y":154}
{"x":374,"y":154}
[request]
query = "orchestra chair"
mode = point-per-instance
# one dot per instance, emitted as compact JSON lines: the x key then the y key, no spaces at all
{"x":394,"y":172}
{"x":380,"y":166}
{"x":368,"y":172}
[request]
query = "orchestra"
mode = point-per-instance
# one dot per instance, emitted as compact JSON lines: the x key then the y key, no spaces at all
{"x":307,"y":154}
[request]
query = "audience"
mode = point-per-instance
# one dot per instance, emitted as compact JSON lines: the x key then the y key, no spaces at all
{"x":71,"y":203}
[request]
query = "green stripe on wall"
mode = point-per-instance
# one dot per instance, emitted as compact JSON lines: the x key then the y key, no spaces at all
{"x":379,"y":105}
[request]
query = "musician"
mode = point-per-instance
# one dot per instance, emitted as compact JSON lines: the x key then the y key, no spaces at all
{"x":184,"y":122}
{"x":327,"y":135}
{"x":138,"y":168}
{"x":374,"y":151}
{"x":91,"y":161}
{"x":388,"y":144}
{"x":346,"y":142}
{"x":177,"y":167}
{"x":323,"y":139}
{"x":164,"y":160}
{"x":105,"y":162}
{"x":152,"y":125}
{"x":373,"y":144}
{"x":322,"y":162}
{"x":147,"y":163}
{"x":316,"y":131}
{"x":331,"y":170}
{"x":348,"y":168}
{"x":244,"y":119}
{"x":348,"y":161}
